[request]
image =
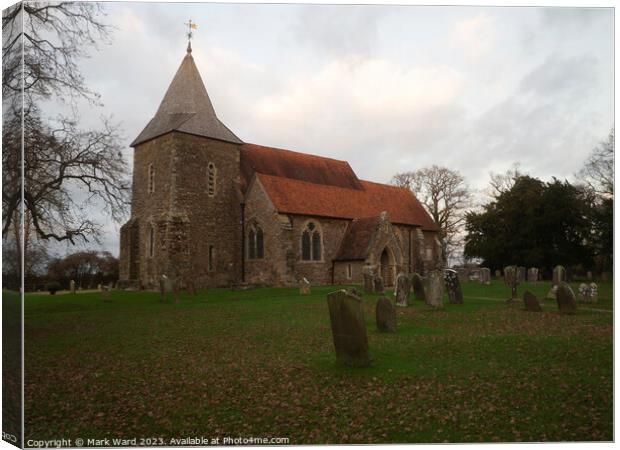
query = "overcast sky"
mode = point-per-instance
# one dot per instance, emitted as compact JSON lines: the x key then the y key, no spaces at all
{"x":387,"y":88}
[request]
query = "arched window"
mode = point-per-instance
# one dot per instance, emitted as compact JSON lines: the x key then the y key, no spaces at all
{"x":151,"y":241}
{"x":211,"y":176}
{"x":151,"y":179}
{"x":311,"y":245}
{"x":211,"y":258}
{"x":256,"y":248}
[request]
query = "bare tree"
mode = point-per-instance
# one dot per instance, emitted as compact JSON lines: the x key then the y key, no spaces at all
{"x":445,"y":195}
{"x":503,"y":182}
{"x":65,"y":170}
{"x":598,"y":171}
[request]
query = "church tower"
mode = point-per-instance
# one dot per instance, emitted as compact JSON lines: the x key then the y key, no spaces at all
{"x":186,"y":208}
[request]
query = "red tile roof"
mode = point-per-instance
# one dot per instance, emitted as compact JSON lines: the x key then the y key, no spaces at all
{"x":295,"y":165}
{"x":312,"y":199}
{"x":356,"y":239}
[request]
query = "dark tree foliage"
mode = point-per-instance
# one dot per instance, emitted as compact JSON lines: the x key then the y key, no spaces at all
{"x":532,"y":224}
{"x":86,"y":268}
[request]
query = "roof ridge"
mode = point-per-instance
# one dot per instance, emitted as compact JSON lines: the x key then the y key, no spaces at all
{"x":297,"y":152}
{"x":296,"y":180}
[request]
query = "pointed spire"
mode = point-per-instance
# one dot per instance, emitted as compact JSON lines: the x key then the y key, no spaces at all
{"x":186,"y":107}
{"x":189,"y":46}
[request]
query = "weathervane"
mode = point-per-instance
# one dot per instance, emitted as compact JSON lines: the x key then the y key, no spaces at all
{"x":190,"y":26}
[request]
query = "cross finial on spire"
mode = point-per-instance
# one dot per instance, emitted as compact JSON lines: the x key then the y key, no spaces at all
{"x":190,"y":26}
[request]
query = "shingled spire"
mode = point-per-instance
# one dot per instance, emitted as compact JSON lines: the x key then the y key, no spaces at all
{"x":186,"y":107}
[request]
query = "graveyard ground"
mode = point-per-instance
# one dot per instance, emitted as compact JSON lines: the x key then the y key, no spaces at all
{"x":261,"y":363}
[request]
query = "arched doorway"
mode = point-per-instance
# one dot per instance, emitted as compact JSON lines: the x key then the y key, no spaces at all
{"x":387,"y":267}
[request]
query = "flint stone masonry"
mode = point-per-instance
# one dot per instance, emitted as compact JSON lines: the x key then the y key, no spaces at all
{"x":531,"y":302}
{"x":433,"y":289}
{"x":385,"y":315}
{"x":566,"y":299}
{"x":453,"y":286}
{"x":348,"y":328}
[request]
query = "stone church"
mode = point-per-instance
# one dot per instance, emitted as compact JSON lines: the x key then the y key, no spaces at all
{"x":211,"y":209}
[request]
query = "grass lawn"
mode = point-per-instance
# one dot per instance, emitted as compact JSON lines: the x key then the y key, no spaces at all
{"x":261,"y":363}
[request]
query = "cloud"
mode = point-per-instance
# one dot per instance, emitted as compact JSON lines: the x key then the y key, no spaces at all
{"x":476,"y":36}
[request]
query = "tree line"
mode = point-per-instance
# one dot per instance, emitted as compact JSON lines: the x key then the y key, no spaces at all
{"x":526,"y":221}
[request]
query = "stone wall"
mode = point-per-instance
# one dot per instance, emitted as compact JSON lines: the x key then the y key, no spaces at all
{"x":341,"y":271}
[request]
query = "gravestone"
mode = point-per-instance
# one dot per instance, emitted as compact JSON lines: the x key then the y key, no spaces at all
{"x":589,"y":275}
{"x":403,"y":289}
{"x":588,"y":293}
{"x":163,"y":288}
{"x":552,"y":294}
{"x":453,"y":286}
{"x":532,"y":275}
{"x":99,"y":288}
{"x":348,"y":328}
{"x":385,"y":315}
{"x":369,"y":279}
{"x":175,"y":289}
{"x":72,"y":286}
{"x":356,"y":292}
{"x":485,"y":275}
{"x":417,"y":282}
{"x":433,"y":289}
{"x":566,"y":299}
{"x":106,"y":294}
{"x":522,"y":273}
{"x":304,"y":286}
{"x":498,"y":274}
{"x":378,"y":283}
{"x":463,"y":274}
{"x":190,"y":286}
{"x":512,"y":280}
{"x":531,"y":302}
{"x":559,"y":275}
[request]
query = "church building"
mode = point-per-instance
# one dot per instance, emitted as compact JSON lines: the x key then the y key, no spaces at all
{"x":210,"y":208}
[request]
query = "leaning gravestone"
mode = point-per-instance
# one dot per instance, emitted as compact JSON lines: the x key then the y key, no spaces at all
{"x":385,"y":315}
{"x":369,"y":280}
{"x":433,"y":289}
{"x":559,"y":275}
{"x":531,"y":302}
{"x":403,"y":289}
{"x":485,"y":275}
{"x":566,"y":299}
{"x":512,"y":280}
{"x":348,"y":328}
{"x":304,"y":286}
{"x":417,"y":283}
{"x":453,"y":286}
{"x":532,"y":275}
{"x":72,"y":286}
{"x":378,"y":283}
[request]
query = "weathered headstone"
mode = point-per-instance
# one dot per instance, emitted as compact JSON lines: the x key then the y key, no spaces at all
{"x":559,"y":275}
{"x":403,"y":289}
{"x":532,"y":275}
{"x":453,"y":286}
{"x":378,"y":283}
{"x":531,"y":302}
{"x":552,"y":294}
{"x":163,"y":288}
{"x":512,"y":280}
{"x":485,"y":275}
{"x":72,"y":286}
{"x":522,"y":273}
{"x":369,"y":279}
{"x":348,"y":328}
{"x":106,"y":294}
{"x":385,"y":315}
{"x":304,"y":286}
{"x":433,"y":289}
{"x":588,"y":293}
{"x":417,"y":282}
{"x":99,"y":287}
{"x":356,"y":292}
{"x":498,"y":274}
{"x":566,"y":299}
{"x":463,"y":274}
